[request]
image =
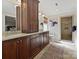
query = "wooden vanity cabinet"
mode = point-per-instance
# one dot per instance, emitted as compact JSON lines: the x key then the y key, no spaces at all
{"x":9,"y":49}
{"x":26,"y":47}
{"x":23,"y":48}
{"x":38,"y":42}
{"x":41,"y":40}
{"x":16,"y":48}
{"x":35,"y":45}
{"x":45,"y":39}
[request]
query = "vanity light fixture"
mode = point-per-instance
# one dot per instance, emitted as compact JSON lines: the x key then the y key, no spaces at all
{"x":18,"y":3}
{"x":40,"y":13}
{"x":43,"y":15}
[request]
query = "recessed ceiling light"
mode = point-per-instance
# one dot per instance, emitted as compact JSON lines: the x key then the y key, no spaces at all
{"x":56,"y":4}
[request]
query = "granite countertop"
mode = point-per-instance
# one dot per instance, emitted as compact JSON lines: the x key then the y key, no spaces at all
{"x":17,"y":35}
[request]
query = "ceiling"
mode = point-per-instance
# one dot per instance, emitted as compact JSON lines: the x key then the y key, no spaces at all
{"x":48,"y":7}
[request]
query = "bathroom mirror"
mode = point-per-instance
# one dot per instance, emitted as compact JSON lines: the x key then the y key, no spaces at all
{"x":9,"y":15}
{"x":10,"y":23}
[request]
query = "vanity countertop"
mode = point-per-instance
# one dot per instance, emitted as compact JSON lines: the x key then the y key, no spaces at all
{"x":13,"y":36}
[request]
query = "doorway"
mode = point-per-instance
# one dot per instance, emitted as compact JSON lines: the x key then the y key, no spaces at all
{"x":66,"y":28}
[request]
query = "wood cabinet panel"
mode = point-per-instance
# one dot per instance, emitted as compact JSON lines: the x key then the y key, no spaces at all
{"x":41,"y":40}
{"x":23,"y":48}
{"x":34,"y":16}
{"x":9,"y":50}
{"x":16,"y":48}
{"x":35,"y":45}
{"x":45,"y":39}
{"x":29,"y":16}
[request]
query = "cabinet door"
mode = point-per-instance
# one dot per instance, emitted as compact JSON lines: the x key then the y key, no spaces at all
{"x":41,"y":40}
{"x":35,"y":46}
{"x":9,"y":49}
{"x":34,"y":15}
{"x":45,"y":39}
{"x":23,"y":48}
{"x":29,"y":11}
{"x":16,"y":48}
{"x":25,"y":15}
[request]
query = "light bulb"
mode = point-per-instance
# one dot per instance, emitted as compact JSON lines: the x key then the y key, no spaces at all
{"x":43,"y":15}
{"x":39,"y":13}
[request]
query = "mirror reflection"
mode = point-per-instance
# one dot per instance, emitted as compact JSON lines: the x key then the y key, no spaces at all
{"x":9,"y":15}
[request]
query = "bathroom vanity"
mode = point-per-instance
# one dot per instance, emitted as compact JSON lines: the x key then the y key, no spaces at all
{"x":24,"y":46}
{"x":28,"y":43}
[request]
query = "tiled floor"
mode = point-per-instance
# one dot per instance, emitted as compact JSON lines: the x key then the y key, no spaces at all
{"x":58,"y":50}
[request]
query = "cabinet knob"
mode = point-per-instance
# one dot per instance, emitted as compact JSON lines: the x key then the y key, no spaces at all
{"x":17,"y":41}
{"x":20,"y":40}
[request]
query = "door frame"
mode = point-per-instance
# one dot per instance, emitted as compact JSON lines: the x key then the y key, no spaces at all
{"x":60,"y":25}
